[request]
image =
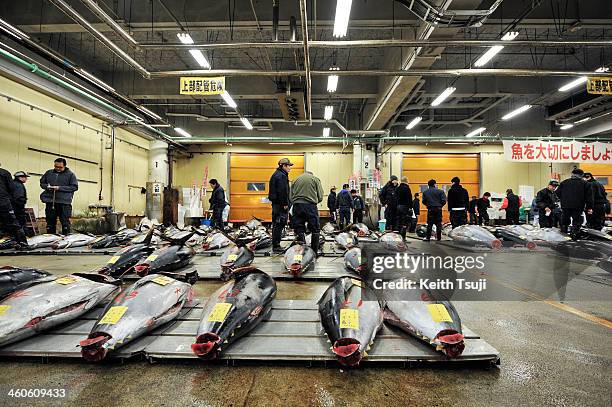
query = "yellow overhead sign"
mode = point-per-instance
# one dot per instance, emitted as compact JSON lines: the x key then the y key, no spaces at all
{"x":195,"y":85}
{"x":599,"y":85}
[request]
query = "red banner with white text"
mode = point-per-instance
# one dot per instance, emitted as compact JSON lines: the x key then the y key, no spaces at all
{"x":557,"y":151}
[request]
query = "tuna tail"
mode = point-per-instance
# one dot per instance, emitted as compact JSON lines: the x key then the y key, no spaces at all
{"x":149,"y":237}
{"x":181,"y":241}
{"x":92,"y":348}
{"x":347,"y":350}
{"x":451,"y":342}
{"x":207,"y":346}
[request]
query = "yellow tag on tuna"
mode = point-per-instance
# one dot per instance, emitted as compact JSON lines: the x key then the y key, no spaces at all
{"x":356,"y":282}
{"x":219,"y":312}
{"x":162,"y":280}
{"x":349,"y":318}
{"x":113,"y":260}
{"x":151,"y":257}
{"x":4,"y":308}
{"x":439,"y":313}
{"x":113,"y":315}
{"x":232,"y":257}
{"x":66,"y":280}
{"x":209,"y":239}
{"x":297,"y":258}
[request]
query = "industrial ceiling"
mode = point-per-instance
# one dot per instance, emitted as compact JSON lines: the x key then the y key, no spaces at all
{"x":395,"y":60}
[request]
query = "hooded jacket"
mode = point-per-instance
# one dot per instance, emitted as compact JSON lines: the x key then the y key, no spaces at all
{"x":67,"y":182}
{"x":575,"y":193}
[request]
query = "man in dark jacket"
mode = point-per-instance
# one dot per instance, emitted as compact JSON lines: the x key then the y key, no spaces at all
{"x":389,"y":200}
{"x":59,"y":185}
{"x":546,"y":202}
{"x":576,"y":196}
{"x":458,"y":202}
{"x":358,"y":206}
{"x":512,"y":204}
{"x":278,"y":194}
{"x":600,"y":200}
{"x":434,"y":199}
{"x":344,"y":203}
{"x":416,"y":211}
{"x":7,"y":214}
{"x":217,"y":203}
{"x":331,"y":204}
{"x":21,"y":197}
{"x":482,"y":206}
{"x":472,"y":210}
{"x":404,"y":206}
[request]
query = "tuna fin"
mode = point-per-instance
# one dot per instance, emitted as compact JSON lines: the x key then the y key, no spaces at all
{"x":149,"y":237}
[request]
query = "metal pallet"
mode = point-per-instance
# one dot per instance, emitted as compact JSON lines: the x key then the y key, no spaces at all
{"x":291,"y":333}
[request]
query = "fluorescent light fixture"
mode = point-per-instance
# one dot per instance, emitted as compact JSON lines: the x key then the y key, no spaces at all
{"x":586,"y":119}
{"x":326,"y":131}
{"x":343,"y":12}
{"x":15,"y":32}
{"x":150,"y":113}
{"x":566,"y":126}
{"x":442,"y":97}
{"x":329,"y":112}
{"x":332,"y":80}
{"x":92,"y":78}
{"x":494,"y":50}
{"x":228,"y":100}
{"x":200,"y":58}
{"x":246,"y":123}
{"x":602,"y":69}
{"x":456,"y":144}
{"x":516,"y":112}
{"x":281,"y":144}
{"x":573,"y":84}
{"x":182,"y":132}
{"x":475,"y":132}
{"x":185,"y":38}
{"x":414,"y":122}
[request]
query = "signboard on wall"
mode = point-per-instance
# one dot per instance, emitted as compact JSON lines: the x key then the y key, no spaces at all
{"x":195,"y":85}
{"x":557,"y":151}
{"x":597,"y":85}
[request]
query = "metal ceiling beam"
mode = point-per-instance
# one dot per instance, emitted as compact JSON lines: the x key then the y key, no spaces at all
{"x":101,"y":14}
{"x":411,"y":72}
{"x":304,"y":20}
{"x":384,"y":44}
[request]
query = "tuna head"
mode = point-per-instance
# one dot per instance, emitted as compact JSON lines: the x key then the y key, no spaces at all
{"x":473,"y":235}
{"x":15,"y":278}
{"x":351,"y":317}
{"x":361,"y":229}
{"x":352,"y":260}
{"x":393,"y":241}
{"x":235,"y":257}
{"x":346,"y":240}
{"x":234,"y":310}
{"x":216,"y":241}
{"x":298,"y":258}
{"x":150,"y":302}
{"x":165,"y":259}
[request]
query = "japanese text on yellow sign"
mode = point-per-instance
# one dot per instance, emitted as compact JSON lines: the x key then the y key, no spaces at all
{"x":219,"y":312}
{"x":349,"y":318}
{"x":599,"y":85}
{"x":113,"y":315}
{"x":202,"y":85}
{"x":439,"y":313}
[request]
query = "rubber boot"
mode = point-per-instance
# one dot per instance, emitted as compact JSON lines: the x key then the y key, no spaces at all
{"x":314,"y":243}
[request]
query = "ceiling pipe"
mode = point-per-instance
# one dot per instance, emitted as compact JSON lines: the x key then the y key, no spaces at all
{"x":101,"y":14}
{"x":275,"y":18}
{"x":304,"y":20}
{"x":79,"y":19}
{"x":443,"y":73}
{"x":390,"y":43}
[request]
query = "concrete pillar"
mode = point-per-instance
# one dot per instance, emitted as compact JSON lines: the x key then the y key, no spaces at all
{"x":157,"y":179}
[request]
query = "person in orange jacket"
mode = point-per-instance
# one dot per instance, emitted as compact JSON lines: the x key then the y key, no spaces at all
{"x":512,"y":203}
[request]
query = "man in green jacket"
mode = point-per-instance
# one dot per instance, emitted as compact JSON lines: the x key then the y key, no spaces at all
{"x":306,"y":194}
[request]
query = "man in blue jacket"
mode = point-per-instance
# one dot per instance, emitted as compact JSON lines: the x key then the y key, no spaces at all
{"x":59,"y":185}
{"x":434,"y":199}
{"x":344,"y":203}
{"x":278,"y":194}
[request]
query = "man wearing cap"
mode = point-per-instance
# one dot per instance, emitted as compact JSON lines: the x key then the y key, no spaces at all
{"x":546,"y":202}
{"x":388,"y":199}
{"x":306,"y":194}
{"x":20,"y":197}
{"x":59,"y":185}
{"x":458,"y":202}
{"x":600,"y":200}
{"x":278,"y":194}
{"x":7,"y":214}
{"x":576,"y":197}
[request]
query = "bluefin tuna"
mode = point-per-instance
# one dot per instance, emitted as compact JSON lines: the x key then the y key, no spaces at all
{"x":51,"y":301}
{"x":346,"y":240}
{"x":298,"y":259}
{"x":150,"y":302}
{"x":361,"y":229}
{"x":233,"y":311}
{"x":42,"y":241}
{"x":120,"y":238}
{"x":594,"y":234}
{"x":168,"y":258}
{"x":7,"y":243}
{"x":473,"y":235}
{"x":125,"y":259}
{"x":73,"y":240}
{"x":16,"y":278}
{"x":262,"y":241}
{"x":329,"y":228}
{"x":516,"y":234}
{"x":350,"y":319}
{"x":352,"y":260}
{"x":253,"y":223}
{"x":436,"y":323}
{"x":393,"y":241}
{"x":216,"y":241}
{"x":235,"y":257}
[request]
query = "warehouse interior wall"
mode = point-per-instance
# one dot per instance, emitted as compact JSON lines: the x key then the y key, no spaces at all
{"x":35,"y":129}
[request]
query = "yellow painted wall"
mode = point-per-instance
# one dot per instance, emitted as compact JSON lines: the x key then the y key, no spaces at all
{"x":332,"y":168}
{"x":189,"y":170}
{"x":23,"y":128}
